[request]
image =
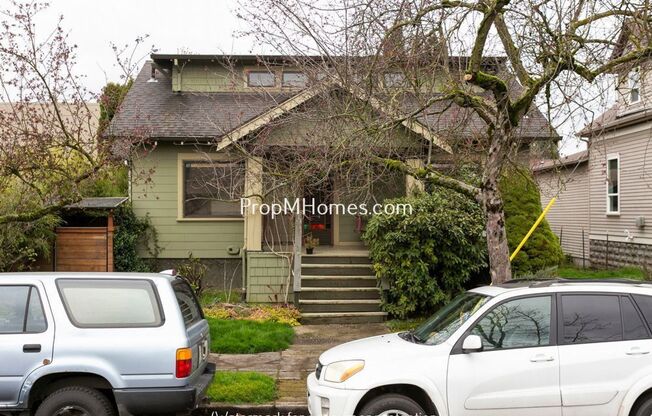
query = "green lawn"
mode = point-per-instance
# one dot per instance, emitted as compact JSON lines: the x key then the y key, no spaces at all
{"x":571,"y":272}
{"x":241,"y":336}
{"x":212,"y":296}
{"x":242,"y":387}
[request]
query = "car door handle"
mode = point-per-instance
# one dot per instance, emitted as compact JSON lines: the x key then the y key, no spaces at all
{"x":32,"y":348}
{"x":637,"y":351}
{"x":541,"y":358}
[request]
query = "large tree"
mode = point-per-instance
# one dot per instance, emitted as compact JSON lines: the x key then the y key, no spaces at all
{"x":50,"y":143}
{"x":556,"y":51}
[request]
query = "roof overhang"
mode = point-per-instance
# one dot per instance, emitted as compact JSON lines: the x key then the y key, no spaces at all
{"x":410,"y":123}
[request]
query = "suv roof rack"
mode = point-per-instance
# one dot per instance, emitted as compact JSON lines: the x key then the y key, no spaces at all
{"x":550,"y":282}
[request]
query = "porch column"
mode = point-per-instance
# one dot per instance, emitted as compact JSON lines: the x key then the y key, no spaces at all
{"x":412,"y":184}
{"x":253,"y":219}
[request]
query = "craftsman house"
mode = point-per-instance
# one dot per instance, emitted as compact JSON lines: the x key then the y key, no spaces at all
{"x":199,"y":111}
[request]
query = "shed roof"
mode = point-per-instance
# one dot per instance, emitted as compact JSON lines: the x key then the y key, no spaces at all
{"x":98,"y":203}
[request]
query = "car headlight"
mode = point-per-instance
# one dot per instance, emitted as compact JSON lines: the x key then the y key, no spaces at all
{"x":341,"y":371}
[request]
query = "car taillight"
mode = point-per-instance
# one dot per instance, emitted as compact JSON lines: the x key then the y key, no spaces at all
{"x":184,"y":362}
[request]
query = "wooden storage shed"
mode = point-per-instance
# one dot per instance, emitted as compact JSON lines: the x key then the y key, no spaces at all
{"x":85,"y":243}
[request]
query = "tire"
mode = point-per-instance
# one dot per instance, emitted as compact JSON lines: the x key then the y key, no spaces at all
{"x":644,"y":408}
{"x":391,"y":405}
{"x":80,"y":401}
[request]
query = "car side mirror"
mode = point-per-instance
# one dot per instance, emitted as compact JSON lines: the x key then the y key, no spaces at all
{"x":472,"y":343}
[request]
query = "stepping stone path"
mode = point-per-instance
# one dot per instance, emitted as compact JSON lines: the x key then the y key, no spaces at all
{"x":292,"y":366}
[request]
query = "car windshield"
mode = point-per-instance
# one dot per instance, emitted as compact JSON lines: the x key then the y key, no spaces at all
{"x":448,"y":319}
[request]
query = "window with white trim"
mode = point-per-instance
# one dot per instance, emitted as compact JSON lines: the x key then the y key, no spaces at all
{"x":634,"y":79}
{"x":613,"y":184}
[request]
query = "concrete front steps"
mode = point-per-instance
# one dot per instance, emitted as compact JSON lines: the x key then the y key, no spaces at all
{"x":339,"y":289}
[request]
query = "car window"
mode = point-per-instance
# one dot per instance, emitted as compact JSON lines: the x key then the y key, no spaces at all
{"x":644,"y":303}
{"x":15,"y":315}
{"x":633,"y":325}
{"x":450,"y":318}
{"x":190,"y":309}
{"x":518,"y":323}
{"x":591,"y":318}
{"x":102,"y":303}
{"x":35,"y":319}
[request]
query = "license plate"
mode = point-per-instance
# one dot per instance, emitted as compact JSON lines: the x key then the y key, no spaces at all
{"x":203,"y":350}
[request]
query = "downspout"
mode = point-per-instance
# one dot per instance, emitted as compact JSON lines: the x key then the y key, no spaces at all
{"x":243,"y":256}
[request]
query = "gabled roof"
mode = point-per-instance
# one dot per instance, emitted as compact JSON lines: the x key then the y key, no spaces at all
{"x":614,"y":118}
{"x":153,"y":110}
{"x":562,"y":161}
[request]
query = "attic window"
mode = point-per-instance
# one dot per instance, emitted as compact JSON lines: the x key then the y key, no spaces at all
{"x":394,"y":79}
{"x":261,"y":79}
{"x":634,"y":78}
{"x":294,"y":79}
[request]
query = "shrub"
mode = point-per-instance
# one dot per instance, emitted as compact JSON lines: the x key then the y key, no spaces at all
{"x":274,"y":313}
{"x":132,"y":232}
{"x":522,"y":208}
{"x":426,"y":256}
{"x":23,"y":243}
{"x":193,"y":270}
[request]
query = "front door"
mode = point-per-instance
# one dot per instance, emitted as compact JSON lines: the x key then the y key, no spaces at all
{"x":517,"y":372}
{"x":26,"y":337}
{"x":318,"y":220}
{"x":604,"y":349}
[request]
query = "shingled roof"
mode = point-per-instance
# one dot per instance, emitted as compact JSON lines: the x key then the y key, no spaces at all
{"x":154,"y":110}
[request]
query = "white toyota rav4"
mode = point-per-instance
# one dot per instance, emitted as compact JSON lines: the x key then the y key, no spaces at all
{"x":524,"y":348}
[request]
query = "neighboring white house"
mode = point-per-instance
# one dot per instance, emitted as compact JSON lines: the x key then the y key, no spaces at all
{"x":567,"y":179}
{"x":607,"y":190}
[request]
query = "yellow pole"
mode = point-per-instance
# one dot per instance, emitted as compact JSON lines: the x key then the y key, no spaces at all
{"x":534,"y":227}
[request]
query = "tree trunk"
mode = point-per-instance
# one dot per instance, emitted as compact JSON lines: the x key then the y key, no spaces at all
{"x":500,"y":268}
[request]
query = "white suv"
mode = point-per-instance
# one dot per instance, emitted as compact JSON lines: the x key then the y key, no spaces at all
{"x":547,"y":348}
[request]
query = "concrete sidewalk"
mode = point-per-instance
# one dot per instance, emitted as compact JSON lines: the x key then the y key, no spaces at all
{"x":292,"y":366}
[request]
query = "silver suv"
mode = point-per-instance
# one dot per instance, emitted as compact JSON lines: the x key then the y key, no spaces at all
{"x":101,"y":344}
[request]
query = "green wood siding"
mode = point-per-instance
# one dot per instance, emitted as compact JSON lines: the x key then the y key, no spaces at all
{"x":267,"y":277}
{"x":206,"y":78}
{"x":155,"y":193}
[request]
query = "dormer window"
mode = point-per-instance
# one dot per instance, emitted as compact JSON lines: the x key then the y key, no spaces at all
{"x":261,"y":79}
{"x":394,"y":79}
{"x":634,"y":78}
{"x":294,"y":79}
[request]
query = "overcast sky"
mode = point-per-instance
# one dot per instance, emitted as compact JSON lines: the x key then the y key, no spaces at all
{"x":197,"y":26}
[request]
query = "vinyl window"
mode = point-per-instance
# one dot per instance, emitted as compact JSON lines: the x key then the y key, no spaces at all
{"x":634,"y":79}
{"x":613,"y":184}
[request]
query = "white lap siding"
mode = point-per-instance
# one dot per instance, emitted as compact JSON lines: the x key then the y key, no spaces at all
{"x":569,"y":216}
{"x":633,"y":146}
